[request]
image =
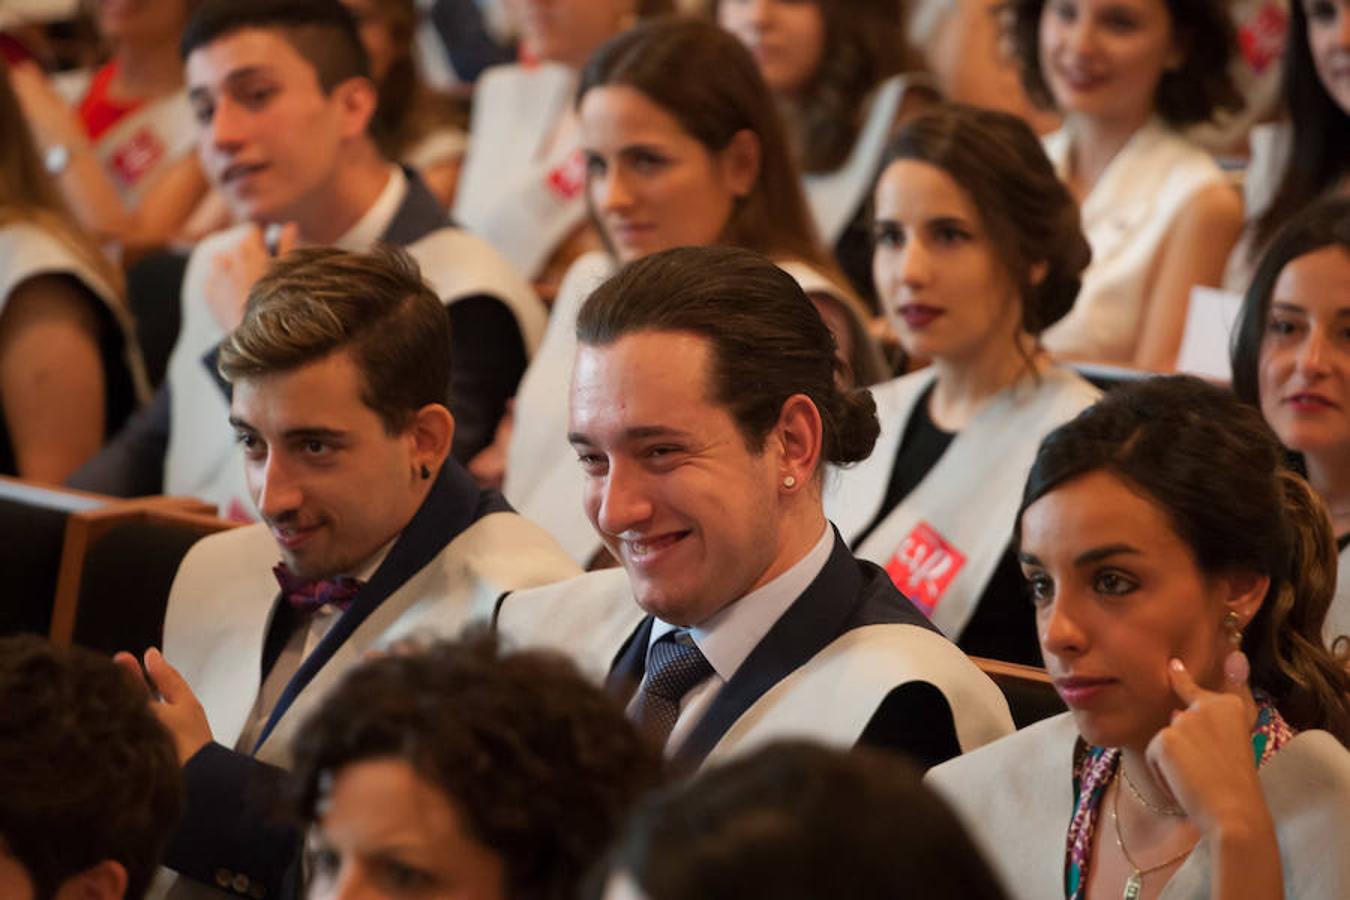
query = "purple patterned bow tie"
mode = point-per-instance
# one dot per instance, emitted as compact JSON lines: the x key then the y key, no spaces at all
{"x":307,"y":596}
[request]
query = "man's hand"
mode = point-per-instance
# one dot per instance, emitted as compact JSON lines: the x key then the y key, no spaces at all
{"x":235,"y":271}
{"x":176,"y":707}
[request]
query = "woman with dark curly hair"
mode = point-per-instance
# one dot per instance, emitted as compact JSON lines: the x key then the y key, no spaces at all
{"x":978,"y":251}
{"x":1127,"y":75}
{"x":465,"y":770}
{"x":834,"y":67}
{"x":1180,"y":576}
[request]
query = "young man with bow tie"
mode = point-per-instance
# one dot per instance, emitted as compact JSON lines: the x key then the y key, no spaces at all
{"x":338,"y":372}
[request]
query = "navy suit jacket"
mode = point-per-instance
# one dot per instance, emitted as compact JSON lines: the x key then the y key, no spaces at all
{"x":914,"y":719}
{"x":234,"y":821}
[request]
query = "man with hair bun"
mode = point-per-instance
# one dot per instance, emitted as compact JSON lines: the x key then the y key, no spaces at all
{"x":705,"y":406}
{"x":339,"y":371}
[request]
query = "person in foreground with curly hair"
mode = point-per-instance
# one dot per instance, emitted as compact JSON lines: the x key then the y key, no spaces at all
{"x":89,"y":780}
{"x":705,"y":405}
{"x":465,"y":769}
{"x":796,"y":821}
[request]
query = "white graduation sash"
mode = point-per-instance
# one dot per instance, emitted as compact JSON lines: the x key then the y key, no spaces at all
{"x":202,"y":459}
{"x":944,"y":540}
{"x":544,"y":481}
{"x":519,"y":198}
{"x":1015,"y":796}
{"x":829,"y":699}
{"x":147,"y":141}
{"x":222,"y":599}
{"x":27,"y":251}
{"x":834,"y":197}
{"x":1126,"y":217}
{"x":587,"y":619}
{"x":1338,"y":617}
{"x":833,"y":697}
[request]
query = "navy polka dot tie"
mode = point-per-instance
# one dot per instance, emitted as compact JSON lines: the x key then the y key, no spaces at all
{"x":675,"y":666}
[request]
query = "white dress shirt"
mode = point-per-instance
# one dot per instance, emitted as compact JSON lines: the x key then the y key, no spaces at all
{"x":298,"y":647}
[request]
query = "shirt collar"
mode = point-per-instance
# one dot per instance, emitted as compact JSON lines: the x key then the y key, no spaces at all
{"x":366,"y":569}
{"x":372,"y":226}
{"x":727,"y":638}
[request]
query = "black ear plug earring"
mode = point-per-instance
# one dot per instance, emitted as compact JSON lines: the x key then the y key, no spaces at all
{"x":426,"y":472}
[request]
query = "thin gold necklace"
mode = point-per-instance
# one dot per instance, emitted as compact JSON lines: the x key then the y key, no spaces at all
{"x":1171,"y":810}
{"x":1134,"y":885}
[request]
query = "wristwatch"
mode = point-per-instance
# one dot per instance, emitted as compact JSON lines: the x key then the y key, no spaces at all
{"x":56,"y":158}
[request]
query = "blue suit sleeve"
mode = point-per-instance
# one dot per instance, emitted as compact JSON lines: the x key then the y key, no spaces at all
{"x":235,"y":834}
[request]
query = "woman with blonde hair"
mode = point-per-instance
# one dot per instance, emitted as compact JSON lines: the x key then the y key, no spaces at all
{"x":1180,"y":576}
{"x":69,"y":370}
{"x":683,"y":148}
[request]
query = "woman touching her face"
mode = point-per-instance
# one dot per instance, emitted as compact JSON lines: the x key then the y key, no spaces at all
{"x":1181,"y":622}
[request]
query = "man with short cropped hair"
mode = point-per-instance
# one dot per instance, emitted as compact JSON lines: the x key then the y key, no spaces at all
{"x":338,"y":372}
{"x":89,"y":783}
{"x":282,"y":92}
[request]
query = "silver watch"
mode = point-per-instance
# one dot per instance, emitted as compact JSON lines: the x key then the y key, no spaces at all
{"x":56,"y":158}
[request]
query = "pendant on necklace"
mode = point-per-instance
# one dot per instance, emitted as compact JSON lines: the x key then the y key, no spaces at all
{"x":1134,"y":886}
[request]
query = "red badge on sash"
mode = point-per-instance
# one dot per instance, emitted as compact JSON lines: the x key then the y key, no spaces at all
{"x":924,"y":566}
{"x":568,"y":177}
{"x":137,"y":156}
{"x":1262,"y":37}
{"x":238,"y":512}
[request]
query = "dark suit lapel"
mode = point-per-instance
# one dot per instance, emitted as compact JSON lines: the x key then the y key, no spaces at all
{"x":630,"y":664}
{"x":813,"y":620}
{"x":454,"y":503}
{"x":418,"y":215}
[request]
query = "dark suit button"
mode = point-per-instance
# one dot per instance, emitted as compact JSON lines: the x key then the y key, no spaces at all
{"x":224,"y":877}
{"x":240,"y":883}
